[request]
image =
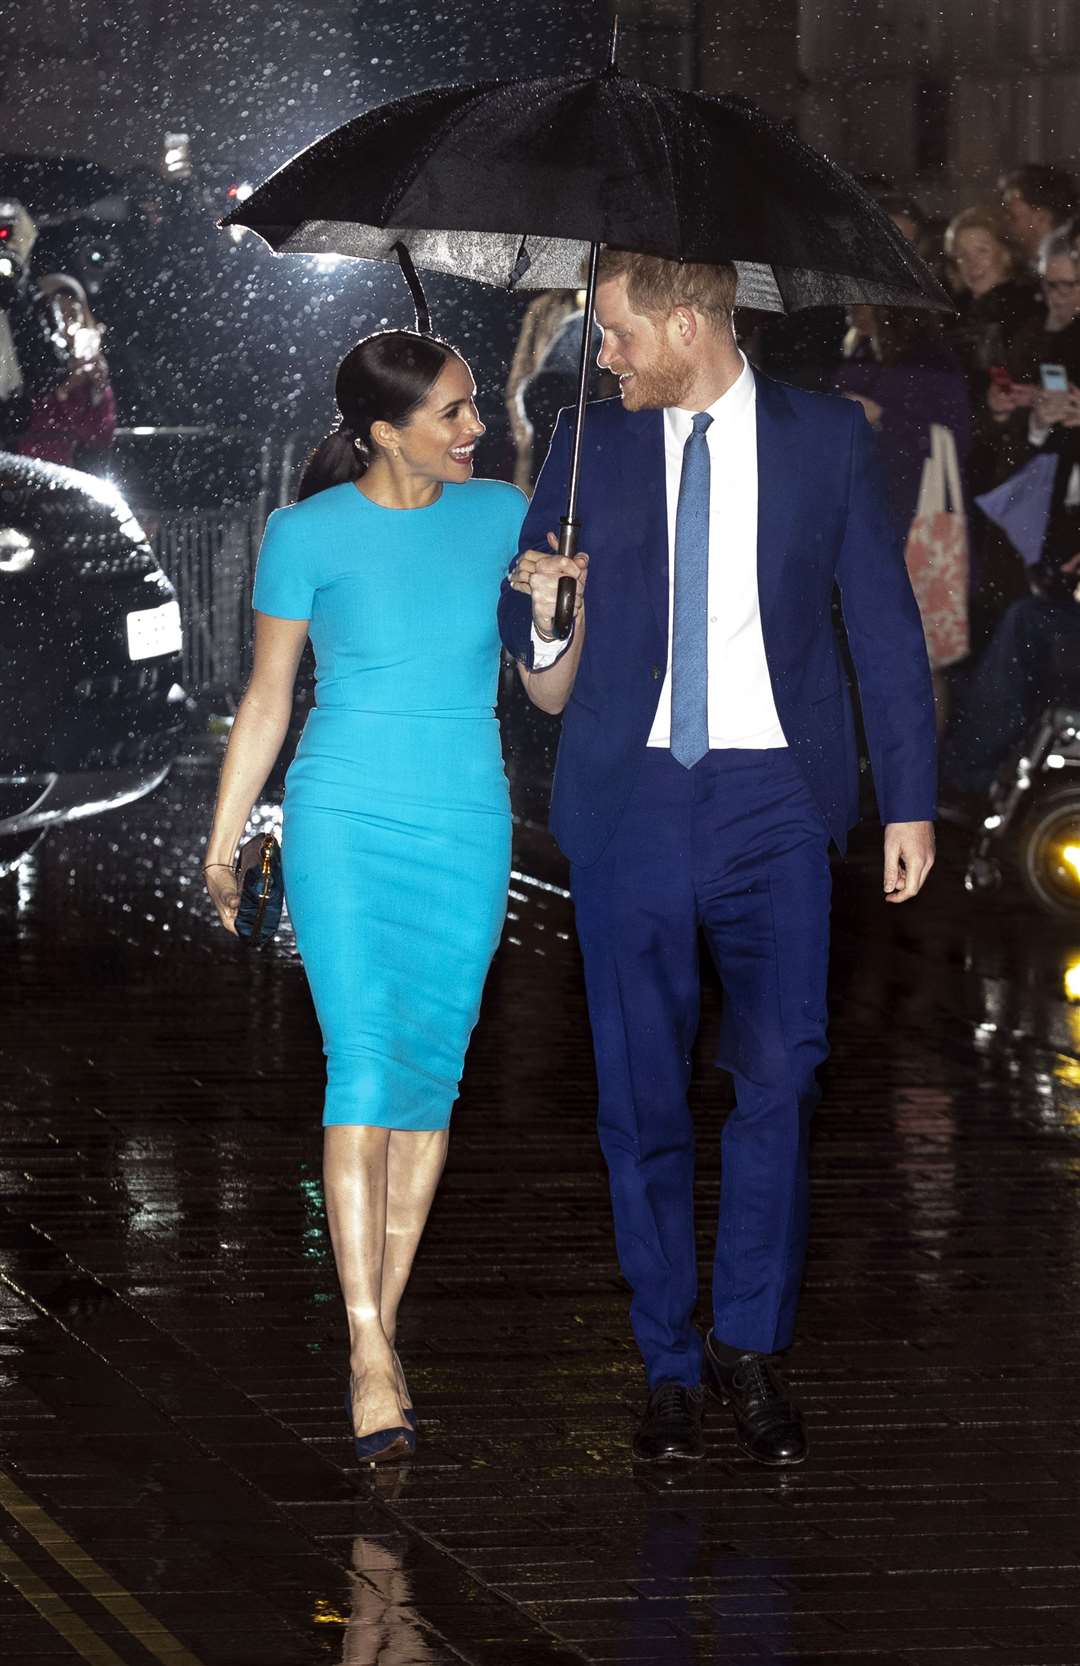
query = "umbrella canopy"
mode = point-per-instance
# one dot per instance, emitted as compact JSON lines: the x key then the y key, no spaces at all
{"x":511,"y":183}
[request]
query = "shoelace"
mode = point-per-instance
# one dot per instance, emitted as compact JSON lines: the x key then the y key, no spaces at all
{"x":754,"y":1378}
{"x":767,"y":1402}
{"x":670,"y":1401}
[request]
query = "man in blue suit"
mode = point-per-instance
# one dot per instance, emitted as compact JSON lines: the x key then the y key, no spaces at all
{"x":707,"y":760}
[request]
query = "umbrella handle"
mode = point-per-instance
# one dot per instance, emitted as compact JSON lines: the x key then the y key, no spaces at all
{"x":566,"y":595}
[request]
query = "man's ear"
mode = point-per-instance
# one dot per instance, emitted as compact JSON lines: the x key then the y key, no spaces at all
{"x":685,"y":322}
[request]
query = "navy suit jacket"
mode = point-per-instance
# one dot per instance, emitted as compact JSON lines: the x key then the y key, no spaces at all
{"x":822,"y":521}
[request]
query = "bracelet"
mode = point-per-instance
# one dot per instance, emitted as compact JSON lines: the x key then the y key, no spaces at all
{"x":208,"y":865}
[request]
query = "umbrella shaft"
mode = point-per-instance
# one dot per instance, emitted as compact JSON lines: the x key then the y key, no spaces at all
{"x":569,"y":525}
{"x":583,"y":383}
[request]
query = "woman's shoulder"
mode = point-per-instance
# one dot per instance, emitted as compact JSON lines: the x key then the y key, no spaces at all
{"x":495,"y":493}
{"x":297,"y":517}
{"x":494,"y":501}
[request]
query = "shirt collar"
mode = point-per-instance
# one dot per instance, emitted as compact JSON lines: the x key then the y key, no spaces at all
{"x":737,"y":402}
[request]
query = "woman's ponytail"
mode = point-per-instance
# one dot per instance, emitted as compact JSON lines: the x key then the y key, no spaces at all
{"x":335,"y":461}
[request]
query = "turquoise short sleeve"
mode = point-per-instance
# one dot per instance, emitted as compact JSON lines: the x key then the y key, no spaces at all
{"x":517,"y":507}
{"x":283,"y":584}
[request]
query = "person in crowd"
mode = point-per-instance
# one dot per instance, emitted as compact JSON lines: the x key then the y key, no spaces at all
{"x":806,"y":348}
{"x":35,"y":356}
{"x":1031,"y":658}
{"x":1031,"y":663}
{"x":906,"y":215}
{"x":396,"y":836}
{"x":1030,"y":417}
{"x":1038,"y":200}
{"x":906,"y":379}
{"x":995,"y":295}
{"x":996,"y":298}
{"x":543,"y":372}
{"x":707,"y":759}
{"x":79,"y":413}
{"x":176,"y":313}
{"x":1051,"y":336}
{"x":901,"y":371}
{"x":910,"y":219}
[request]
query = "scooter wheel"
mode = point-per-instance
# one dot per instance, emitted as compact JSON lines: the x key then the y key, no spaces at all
{"x":1048,"y":853}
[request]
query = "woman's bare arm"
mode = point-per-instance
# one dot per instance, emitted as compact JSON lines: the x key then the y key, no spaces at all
{"x":258,"y":734}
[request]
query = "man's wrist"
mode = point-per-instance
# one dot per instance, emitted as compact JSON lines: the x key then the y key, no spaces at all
{"x":543,"y":635}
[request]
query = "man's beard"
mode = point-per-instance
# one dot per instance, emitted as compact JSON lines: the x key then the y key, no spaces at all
{"x":664,"y":383}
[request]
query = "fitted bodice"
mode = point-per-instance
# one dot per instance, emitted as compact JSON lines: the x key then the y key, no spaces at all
{"x":401,"y":602}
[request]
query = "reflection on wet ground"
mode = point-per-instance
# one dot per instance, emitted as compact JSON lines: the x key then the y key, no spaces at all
{"x":175,"y":1474}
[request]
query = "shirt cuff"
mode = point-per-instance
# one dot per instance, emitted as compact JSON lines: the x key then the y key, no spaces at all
{"x":546,"y":653}
{"x":1037,"y":435}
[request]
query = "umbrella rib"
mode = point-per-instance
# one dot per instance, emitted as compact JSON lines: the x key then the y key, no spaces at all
{"x":666,"y":148}
{"x":406,"y":181}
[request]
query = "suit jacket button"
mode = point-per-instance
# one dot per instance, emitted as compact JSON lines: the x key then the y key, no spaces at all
{"x":656,"y":673}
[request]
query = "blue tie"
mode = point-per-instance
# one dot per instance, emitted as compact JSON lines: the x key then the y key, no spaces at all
{"x":690,"y":623}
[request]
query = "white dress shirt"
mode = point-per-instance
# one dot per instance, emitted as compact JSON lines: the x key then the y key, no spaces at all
{"x":741,"y":709}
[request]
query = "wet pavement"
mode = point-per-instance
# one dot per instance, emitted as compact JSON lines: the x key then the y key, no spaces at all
{"x":176,"y":1481}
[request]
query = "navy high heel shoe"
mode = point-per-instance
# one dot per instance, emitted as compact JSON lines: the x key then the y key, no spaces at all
{"x":385,"y":1445}
{"x":407,"y":1412}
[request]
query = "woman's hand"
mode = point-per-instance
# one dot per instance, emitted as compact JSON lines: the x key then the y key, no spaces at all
{"x":874,"y":411}
{"x":1050,"y":408}
{"x":537,"y":575}
{"x":224,"y":892}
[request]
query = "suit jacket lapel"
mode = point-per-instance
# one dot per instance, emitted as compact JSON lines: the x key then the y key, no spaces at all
{"x":645,"y":491}
{"x":779,"y":462}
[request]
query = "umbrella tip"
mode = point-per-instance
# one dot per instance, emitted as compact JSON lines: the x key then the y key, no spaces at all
{"x":613,"y":44}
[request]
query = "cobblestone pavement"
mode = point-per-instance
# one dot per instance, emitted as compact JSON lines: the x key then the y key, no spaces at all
{"x":176,"y":1480}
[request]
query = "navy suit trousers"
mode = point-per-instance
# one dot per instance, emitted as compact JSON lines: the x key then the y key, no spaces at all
{"x":736,"y":847}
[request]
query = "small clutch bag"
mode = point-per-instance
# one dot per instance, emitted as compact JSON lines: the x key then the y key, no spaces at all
{"x":262,"y":890}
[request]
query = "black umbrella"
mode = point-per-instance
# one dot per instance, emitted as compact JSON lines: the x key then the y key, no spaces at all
{"x":519,"y":183}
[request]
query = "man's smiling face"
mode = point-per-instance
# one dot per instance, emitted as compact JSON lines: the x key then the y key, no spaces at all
{"x":640,"y":352}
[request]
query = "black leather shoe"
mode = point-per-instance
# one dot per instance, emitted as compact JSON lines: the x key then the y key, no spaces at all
{"x":768,"y":1425}
{"x":671,"y":1427}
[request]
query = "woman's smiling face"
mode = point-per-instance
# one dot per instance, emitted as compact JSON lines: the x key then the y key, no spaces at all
{"x":981,"y":261}
{"x":438,"y":441}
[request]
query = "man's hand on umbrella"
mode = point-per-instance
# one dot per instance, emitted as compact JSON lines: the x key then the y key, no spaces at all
{"x":909,"y":856}
{"x":537,"y":575}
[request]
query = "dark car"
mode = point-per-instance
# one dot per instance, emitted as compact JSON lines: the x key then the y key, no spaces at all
{"x":91,"y":708}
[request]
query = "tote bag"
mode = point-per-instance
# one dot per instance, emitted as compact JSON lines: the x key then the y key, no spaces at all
{"x":937,"y":553}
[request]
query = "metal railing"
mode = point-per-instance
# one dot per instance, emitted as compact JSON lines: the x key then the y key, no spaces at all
{"x":209,"y":555}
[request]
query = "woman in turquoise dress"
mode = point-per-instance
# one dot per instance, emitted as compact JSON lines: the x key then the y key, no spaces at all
{"x":396,"y":833}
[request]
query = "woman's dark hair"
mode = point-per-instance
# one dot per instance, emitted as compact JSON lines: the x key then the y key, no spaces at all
{"x":382,"y":379}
